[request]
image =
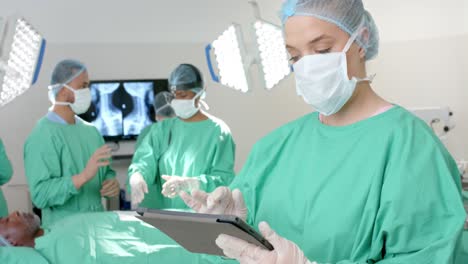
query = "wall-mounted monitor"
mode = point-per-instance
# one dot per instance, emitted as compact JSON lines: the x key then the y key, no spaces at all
{"x":121,"y":109}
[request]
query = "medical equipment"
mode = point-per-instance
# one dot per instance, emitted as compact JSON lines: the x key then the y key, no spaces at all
{"x":197,"y":232}
{"x":234,"y":59}
{"x":19,"y":70}
{"x":435,"y":115}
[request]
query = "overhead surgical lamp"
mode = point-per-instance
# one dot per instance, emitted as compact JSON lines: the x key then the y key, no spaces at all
{"x":22,"y":50}
{"x":234,"y":59}
{"x":230,"y":56}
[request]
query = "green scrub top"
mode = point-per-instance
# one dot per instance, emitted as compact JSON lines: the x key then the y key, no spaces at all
{"x":55,"y":152}
{"x":204,"y":150}
{"x":6,"y":171}
{"x":142,"y":135}
{"x":382,"y":190}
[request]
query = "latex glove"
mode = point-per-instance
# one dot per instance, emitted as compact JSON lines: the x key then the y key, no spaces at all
{"x":220,"y":201}
{"x":100,"y":158}
{"x":110,"y":188}
{"x":138,"y":187}
{"x":285,"y":251}
{"x":175,"y":184}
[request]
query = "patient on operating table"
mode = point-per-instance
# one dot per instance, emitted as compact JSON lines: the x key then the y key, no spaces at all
{"x":99,"y":237}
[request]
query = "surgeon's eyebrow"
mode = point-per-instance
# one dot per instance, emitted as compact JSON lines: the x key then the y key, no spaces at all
{"x":315,"y":40}
{"x":319,"y":38}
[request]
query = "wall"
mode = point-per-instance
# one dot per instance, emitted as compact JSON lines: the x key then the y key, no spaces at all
{"x":431,"y":72}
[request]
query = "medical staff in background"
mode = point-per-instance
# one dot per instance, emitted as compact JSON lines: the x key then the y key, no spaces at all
{"x":190,"y":152}
{"x":162,"y":109}
{"x":6,"y":171}
{"x":67,"y":164}
{"x":360,"y":180}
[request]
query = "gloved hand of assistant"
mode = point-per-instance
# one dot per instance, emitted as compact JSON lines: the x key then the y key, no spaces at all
{"x":176,"y":184}
{"x":220,"y":201}
{"x":138,"y":188}
{"x":285,"y":251}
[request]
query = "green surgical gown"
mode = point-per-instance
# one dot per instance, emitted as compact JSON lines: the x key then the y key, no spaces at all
{"x":382,"y":190}
{"x":142,"y":135}
{"x":462,"y":256}
{"x":193,"y":149}
{"x":6,"y":172}
{"x":111,"y":238}
{"x":55,"y":152}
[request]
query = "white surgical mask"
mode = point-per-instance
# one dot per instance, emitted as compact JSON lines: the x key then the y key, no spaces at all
{"x":185,"y":108}
{"x":322,"y":80}
{"x":82,"y":100}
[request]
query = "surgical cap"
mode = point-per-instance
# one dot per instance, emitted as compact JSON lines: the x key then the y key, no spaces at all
{"x":65,"y":72}
{"x":162,"y":104}
{"x":348,"y":15}
{"x":186,"y":77}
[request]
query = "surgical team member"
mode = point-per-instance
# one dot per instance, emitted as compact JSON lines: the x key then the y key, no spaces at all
{"x":193,"y":151}
{"x":66,"y":160}
{"x":162,"y":109}
{"x":6,"y":171}
{"x":358,"y":181}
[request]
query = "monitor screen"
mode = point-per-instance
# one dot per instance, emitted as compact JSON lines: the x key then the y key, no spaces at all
{"x":122,"y":109}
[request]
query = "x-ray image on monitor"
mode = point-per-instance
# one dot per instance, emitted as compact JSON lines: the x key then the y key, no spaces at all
{"x":137,"y":114}
{"x":103,"y":114}
{"x":122,"y":109}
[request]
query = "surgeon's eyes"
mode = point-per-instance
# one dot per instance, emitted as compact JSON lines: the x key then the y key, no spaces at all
{"x":324,"y":51}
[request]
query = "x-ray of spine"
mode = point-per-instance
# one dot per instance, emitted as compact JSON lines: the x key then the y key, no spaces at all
{"x":107,"y":117}
{"x":142,"y":95}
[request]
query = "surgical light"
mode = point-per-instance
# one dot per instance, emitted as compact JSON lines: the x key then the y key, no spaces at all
{"x":234,"y":60}
{"x":272,"y":53}
{"x":230,"y":58}
{"x":20,"y":69}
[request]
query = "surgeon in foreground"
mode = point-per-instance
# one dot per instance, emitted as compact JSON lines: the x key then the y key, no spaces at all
{"x":66,"y":161}
{"x":360,"y":180}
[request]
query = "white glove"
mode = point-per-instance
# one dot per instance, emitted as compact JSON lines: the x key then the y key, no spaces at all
{"x":176,"y":184}
{"x":285,"y":251}
{"x":139,"y":188}
{"x":220,"y":201}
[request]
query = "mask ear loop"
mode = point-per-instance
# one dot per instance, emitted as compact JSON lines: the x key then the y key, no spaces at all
{"x":201,"y":102}
{"x":64,"y":103}
{"x":4,"y":242}
{"x":350,"y":42}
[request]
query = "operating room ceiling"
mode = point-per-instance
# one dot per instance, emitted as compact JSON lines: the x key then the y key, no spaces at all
{"x":152,"y":21}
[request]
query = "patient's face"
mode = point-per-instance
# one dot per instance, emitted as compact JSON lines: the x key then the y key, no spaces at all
{"x":19,"y":228}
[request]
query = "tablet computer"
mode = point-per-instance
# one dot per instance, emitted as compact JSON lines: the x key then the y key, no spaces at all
{"x":197,"y":232}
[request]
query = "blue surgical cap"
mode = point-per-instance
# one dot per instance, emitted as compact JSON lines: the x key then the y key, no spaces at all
{"x":186,"y":77}
{"x":348,"y":15}
{"x":65,"y":72}
{"x":162,"y":104}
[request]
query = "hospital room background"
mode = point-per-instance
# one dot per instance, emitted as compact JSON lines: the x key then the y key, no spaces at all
{"x":122,"y":40}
